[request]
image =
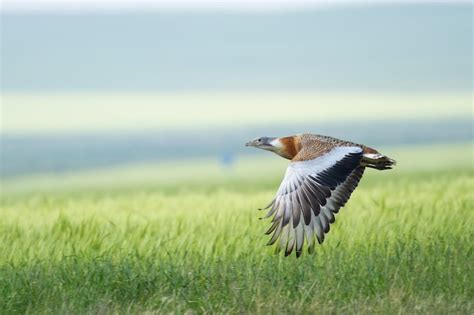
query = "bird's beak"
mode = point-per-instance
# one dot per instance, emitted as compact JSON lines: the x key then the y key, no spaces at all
{"x":251,"y":143}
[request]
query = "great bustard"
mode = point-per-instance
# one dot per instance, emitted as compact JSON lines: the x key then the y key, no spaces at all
{"x":319,"y":180}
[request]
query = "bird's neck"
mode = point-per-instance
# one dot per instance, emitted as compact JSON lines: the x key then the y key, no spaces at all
{"x":287,"y":147}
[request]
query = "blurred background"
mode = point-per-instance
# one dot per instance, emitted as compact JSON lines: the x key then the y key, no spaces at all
{"x":158,"y":88}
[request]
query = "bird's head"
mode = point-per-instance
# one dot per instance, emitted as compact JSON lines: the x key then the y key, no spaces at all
{"x":265,"y":143}
{"x":286,"y":147}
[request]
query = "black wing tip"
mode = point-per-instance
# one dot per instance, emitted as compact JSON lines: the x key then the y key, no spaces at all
{"x":307,"y":218}
{"x":320,"y":240}
{"x":272,"y":228}
{"x":271,"y":242}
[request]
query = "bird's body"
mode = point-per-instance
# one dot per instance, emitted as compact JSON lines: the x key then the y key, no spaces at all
{"x":322,"y":174}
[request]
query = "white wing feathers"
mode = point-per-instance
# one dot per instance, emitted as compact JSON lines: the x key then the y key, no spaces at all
{"x":310,"y":195}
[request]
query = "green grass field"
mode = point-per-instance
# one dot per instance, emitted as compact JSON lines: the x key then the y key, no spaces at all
{"x":98,"y":243}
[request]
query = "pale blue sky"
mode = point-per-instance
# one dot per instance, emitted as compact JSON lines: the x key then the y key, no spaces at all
{"x":363,"y":47}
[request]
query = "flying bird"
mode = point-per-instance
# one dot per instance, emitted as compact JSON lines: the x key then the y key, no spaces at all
{"x":322,"y":174}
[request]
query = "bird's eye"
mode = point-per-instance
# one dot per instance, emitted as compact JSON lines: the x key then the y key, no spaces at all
{"x":260,"y":140}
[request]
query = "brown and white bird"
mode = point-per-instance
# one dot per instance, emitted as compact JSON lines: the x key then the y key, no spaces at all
{"x":322,"y":174}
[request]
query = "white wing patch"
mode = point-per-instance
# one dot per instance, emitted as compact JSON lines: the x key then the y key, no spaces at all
{"x":310,"y":195}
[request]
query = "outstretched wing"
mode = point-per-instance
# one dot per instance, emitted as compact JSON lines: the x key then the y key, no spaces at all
{"x":310,"y":194}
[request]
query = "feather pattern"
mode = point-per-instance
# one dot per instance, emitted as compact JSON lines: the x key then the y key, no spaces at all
{"x":322,"y":174}
{"x":310,"y":194}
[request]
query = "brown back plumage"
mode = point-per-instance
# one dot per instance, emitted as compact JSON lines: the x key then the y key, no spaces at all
{"x":310,"y":146}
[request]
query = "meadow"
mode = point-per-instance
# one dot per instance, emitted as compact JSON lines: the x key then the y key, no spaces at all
{"x":185,"y":238}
